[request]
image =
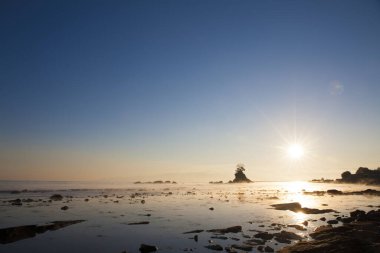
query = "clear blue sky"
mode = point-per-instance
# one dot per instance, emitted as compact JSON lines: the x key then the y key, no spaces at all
{"x":142,"y":89}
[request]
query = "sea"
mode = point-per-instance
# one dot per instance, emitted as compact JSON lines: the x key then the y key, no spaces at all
{"x":167,"y":211}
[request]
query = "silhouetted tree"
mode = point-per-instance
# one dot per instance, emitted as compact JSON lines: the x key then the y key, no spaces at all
{"x":362,"y":170}
{"x":346,"y":175}
{"x":240,"y":168}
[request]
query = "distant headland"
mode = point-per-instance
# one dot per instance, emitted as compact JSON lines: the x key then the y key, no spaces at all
{"x":240,"y":177}
{"x":363,"y":175}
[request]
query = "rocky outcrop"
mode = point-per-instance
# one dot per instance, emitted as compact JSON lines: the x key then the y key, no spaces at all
{"x":296,"y":207}
{"x":234,"y":229}
{"x":240,"y":177}
{"x":13,"y":234}
{"x":363,"y":175}
{"x":362,"y":234}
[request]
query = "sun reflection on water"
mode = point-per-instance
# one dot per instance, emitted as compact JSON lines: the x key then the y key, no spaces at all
{"x":295,"y":194}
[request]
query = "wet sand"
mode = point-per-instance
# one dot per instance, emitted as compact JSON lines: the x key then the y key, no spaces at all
{"x":180,"y":217}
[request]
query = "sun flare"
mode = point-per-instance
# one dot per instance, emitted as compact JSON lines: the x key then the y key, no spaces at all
{"x":296,"y":151}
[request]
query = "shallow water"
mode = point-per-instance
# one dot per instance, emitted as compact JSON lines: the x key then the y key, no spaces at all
{"x":186,"y":208}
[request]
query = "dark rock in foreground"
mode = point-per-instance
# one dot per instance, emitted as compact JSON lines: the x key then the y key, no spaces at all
{"x":194,"y":231}
{"x":216,"y":247}
{"x":242,"y":247}
{"x":139,"y":223}
{"x":296,"y":207}
{"x":361,"y":235}
{"x":235,"y":229}
{"x":145,"y":248}
{"x":13,"y":234}
{"x":56,"y":197}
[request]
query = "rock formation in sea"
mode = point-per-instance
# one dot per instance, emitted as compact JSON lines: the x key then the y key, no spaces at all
{"x":362,"y":175}
{"x":240,"y":177}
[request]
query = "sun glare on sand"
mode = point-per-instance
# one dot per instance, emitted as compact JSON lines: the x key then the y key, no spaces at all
{"x":295,"y":151}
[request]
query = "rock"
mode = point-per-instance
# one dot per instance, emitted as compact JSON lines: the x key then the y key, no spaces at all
{"x":296,"y":207}
{"x":139,"y":223}
{"x":331,"y":245}
{"x":196,"y":238}
{"x":372,"y":215}
{"x":230,"y":250}
{"x":15,"y":202}
{"x":305,"y":223}
{"x":216,"y":182}
{"x":216,"y":247}
{"x":242,"y":247}
{"x":347,"y":219}
{"x":194,"y":231}
{"x":321,"y":228}
{"x":264,"y":235}
{"x":211,"y":208}
{"x":298,"y":227}
{"x":334,"y":192}
{"x":56,"y":197}
{"x":13,"y":234}
{"x":234,"y":229}
{"x":64,"y":208}
{"x":357,"y":236}
{"x":145,"y":248}
{"x":332,"y":222}
{"x":363,"y":176}
{"x":282,"y":240}
{"x":268,"y":249}
{"x":315,"y":193}
{"x":286,"y":235}
{"x":317,"y":211}
{"x":219,"y":237}
{"x":240,"y":177}
{"x":357,"y":213}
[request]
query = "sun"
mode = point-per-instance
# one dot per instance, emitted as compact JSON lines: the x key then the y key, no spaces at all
{"x":295,"y":151}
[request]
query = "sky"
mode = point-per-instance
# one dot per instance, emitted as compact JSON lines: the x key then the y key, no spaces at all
{"x":185,"y":90}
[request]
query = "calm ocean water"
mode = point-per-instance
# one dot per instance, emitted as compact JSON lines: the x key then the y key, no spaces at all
{"x":170,"y":209}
